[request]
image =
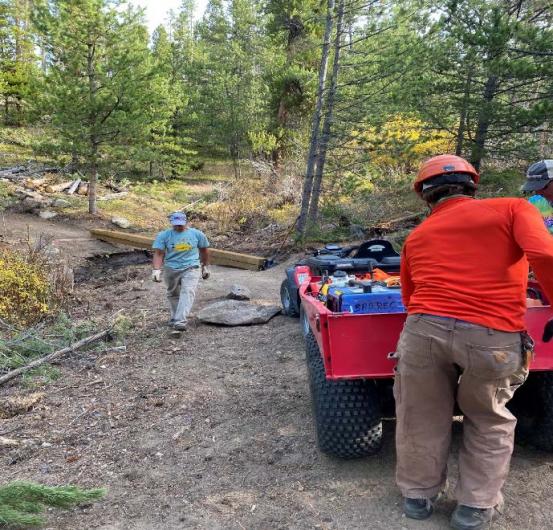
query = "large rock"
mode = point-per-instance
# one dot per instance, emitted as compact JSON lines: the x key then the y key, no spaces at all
{"x":121,"y":222}
{"x":238,"y":292}
{"x":47,"y":214}
{"x":61,"y":203}
{"x":237,"y":313}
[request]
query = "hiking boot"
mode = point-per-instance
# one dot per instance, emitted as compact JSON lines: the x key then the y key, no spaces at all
{"x":417,"y":508}
{"x":468,"y":518}
{"x":179,"y":326}
{"x":422,"y":508}
{"x":171,"y":323}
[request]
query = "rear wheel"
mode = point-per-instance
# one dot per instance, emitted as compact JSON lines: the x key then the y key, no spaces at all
{"x":347,"y":413}
{"x":532,"y":404}
{"x":287,"y":300}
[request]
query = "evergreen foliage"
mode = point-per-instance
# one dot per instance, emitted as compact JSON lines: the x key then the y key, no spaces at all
{"x":21,"y":503}
{"x":405,"y":80}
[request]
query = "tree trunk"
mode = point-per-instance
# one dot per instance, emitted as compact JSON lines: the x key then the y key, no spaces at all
{"x":93,"y":179}
{"x":93,"y":139}
{"x":463,"y":116}
{"x":484,"y":120}
{"x":327,"y":125}
{"x":314,"y":142}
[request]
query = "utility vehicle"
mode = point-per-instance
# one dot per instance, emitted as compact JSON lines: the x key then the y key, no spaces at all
{"x":349,"y":357}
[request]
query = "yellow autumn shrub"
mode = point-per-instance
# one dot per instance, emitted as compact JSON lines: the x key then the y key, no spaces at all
{"x":402,"y":143}
{"x":24,"y":289}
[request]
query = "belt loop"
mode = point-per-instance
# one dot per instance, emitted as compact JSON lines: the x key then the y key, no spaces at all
{"x":451,"y":324}
{"x":490,"y":331}
{"x":417,"y":317}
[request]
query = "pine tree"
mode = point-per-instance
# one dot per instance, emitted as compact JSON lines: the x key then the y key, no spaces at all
{"x":169,"y":152}
{"x":100,"y":87}
{"x":17,"y":59}
{"x":295,"y":29}
{"x":231,"y":90}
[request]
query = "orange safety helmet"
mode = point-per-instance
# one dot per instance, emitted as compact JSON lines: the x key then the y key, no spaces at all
{"x":444,"y":165}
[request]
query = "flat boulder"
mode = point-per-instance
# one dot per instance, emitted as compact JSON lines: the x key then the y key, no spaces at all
{"x":61,"y":203}
{"x":237,"y":313}
{"x":121,"y":222}
{"x":238,"y":292}
{"x":47,"y":214}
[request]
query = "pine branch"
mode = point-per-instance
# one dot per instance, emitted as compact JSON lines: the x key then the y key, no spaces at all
{"x":22,"y":502}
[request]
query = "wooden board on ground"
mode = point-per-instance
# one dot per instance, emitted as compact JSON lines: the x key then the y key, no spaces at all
{"x":224,"y":258}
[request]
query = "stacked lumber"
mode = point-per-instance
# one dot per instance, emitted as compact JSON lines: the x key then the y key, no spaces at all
{"x":224,"y":258}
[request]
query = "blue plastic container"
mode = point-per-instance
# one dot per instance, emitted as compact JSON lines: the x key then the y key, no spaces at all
{"x":354,"y":300}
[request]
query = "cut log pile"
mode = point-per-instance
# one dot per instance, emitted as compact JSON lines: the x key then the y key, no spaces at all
{"x":33,"y":186}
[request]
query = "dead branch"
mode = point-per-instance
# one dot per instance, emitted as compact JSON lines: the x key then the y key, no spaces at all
{"x":54,"y":355}
{"x":392,"y":223}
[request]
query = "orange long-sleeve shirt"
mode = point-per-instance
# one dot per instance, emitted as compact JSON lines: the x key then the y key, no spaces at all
{"x":469,"y":260}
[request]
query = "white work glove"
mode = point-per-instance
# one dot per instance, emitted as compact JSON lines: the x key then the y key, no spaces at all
{"x":205,"y":272}
{"x":156,"y":275}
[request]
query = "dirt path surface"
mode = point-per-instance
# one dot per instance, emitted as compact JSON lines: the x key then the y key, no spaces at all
{"x":213,"y":430}
{"x":73,"y":242}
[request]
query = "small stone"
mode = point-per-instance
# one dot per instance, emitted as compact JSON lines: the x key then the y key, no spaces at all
{"x":8,"y":442}
{"x":61,"y":203}
{"x":121,"y":222}
{"x":47,"y":214}
{"x":239,"y":292}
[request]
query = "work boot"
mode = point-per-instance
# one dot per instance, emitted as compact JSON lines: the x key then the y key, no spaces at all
{"x":468,"y":518}
{"x":417,"y":508}
{"x":179,"y":326}
{"x":422,"y":508}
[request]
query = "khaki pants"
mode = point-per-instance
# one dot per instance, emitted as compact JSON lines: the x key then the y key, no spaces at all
{"x":443,"y":360}
{"x":181,"y":291}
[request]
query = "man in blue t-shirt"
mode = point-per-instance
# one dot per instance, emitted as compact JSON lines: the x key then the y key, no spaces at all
{"x":539,"y":180}
{"x":180,"y":251}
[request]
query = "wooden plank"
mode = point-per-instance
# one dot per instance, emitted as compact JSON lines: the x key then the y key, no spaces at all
{"x":224,"y":258}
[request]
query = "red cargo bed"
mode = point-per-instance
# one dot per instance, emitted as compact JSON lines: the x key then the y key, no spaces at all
{"x":357,"y":346}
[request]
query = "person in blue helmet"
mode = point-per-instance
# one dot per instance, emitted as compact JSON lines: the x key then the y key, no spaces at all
{"x":539,"y":181}
{"x":181,"y":253}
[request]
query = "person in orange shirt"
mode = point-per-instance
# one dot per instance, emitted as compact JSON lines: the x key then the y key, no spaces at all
{"x":464,"y":273}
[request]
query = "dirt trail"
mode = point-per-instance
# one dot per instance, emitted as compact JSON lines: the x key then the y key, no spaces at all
{"x":74,"y":242}
{"x":214,"y":430}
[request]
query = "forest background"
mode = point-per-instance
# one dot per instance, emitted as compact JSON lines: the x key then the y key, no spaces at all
{"x":309,"y":114}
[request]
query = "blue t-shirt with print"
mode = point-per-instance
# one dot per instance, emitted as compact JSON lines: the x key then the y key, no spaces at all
{"x":181,"y":248}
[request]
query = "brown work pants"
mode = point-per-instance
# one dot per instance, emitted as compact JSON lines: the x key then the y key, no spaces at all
{"x":440,"y":361}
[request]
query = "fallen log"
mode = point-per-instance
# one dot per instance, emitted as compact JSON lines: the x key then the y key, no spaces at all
{"x":217,"y":257}
{"x":54,"y":355}
{"x":83,"y":188}
{"x":56,"y":188}
{"x":113,"y":196}
{"x":73,"y":188}
{"x":392,"y":223}
{"x":20,"y":172}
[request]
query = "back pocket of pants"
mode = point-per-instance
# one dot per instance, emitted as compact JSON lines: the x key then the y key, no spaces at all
{"x":414,"y":350}
{"x":494,"y":362}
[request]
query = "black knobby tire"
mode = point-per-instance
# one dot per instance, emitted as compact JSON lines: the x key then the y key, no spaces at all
{"x":286,"y":299}
{"x":532,"y":404}
{"x":347,"y":412}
